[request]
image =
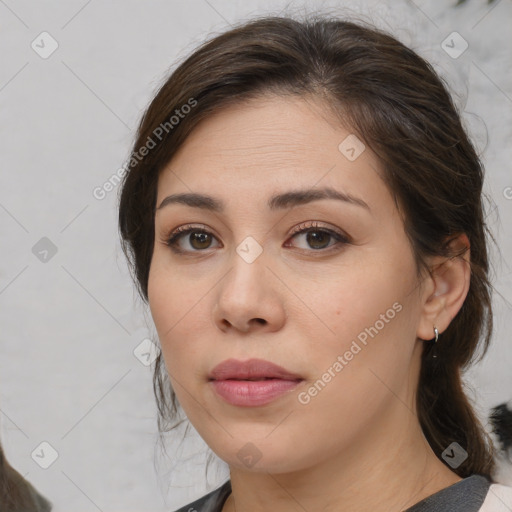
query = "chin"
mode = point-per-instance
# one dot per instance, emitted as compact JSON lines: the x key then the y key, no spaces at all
{"x":259,"y":455}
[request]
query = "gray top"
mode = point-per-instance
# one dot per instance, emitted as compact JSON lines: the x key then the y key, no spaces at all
{"x":467,"y":495}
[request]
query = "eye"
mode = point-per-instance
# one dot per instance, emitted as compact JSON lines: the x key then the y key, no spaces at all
{"x":198,"y":239}
{"x":318,"y":237}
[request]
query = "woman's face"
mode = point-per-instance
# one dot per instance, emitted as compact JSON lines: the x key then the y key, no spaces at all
{"x":323,"y":286}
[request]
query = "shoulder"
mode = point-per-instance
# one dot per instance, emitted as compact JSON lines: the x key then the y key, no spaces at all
{"x":211,"y":502}
{"x":498,"y":499}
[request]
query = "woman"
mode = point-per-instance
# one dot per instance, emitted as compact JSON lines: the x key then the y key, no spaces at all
{"x":303,"y":214}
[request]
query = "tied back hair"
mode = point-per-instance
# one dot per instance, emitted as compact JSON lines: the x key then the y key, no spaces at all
{"x":394,"y":101}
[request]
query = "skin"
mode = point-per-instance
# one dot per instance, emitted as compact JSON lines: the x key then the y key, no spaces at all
{"x":357,"y":445}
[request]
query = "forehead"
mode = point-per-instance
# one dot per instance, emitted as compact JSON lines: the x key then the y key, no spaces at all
{"x":273,"y":142}
{"x":273,"y":125}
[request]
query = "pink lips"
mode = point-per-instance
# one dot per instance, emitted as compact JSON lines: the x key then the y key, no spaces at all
{"x":251,"y":383}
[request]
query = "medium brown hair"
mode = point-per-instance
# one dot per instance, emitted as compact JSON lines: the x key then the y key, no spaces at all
{"x":16,"y":493}
{"x":396,"y":103}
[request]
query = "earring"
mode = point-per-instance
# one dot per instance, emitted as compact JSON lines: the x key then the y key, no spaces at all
{"x":436,"y":332}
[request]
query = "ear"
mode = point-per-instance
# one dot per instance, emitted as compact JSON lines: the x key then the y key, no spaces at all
{"x":445,"y":289}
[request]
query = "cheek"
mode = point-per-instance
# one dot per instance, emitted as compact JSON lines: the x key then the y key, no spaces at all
{"x":169,"y":296}
{"x":366,"y":315}
{"x":167,"y":308}
{"x":361,"y":369}
{"x":160,"y":300}
{"x":178,"y":314}
{"x":355,"y":300}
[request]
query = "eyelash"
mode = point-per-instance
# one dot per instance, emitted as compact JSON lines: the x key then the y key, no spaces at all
{"x":173,"y":238}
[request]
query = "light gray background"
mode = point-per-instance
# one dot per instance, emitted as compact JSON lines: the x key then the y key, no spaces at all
{"x":69,"y":326}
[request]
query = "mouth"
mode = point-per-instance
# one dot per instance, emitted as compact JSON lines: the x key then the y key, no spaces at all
{"x":251,"y":370}
{"x":252,"y":383}
{"x":255,"y":378}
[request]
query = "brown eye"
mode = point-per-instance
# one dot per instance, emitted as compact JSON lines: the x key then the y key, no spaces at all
{"x":200,"y":239}
{"x":196,"y":241}
{"x":318,"y":239}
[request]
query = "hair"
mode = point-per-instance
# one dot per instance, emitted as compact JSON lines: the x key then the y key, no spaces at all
{"x":16,"y":493}
{"x":395,"y":102}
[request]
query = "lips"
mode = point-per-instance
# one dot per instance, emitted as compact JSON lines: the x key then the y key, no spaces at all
{"x":252,"y":383}
{"x":253,"y":369}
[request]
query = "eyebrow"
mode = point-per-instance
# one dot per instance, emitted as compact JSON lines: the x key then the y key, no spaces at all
{"x":276,"y":202}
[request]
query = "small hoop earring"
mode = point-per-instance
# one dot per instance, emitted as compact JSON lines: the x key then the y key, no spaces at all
{"x":434,"y":344}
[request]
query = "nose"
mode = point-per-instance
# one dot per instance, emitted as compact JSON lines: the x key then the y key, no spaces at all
{"x":248,"y":298}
